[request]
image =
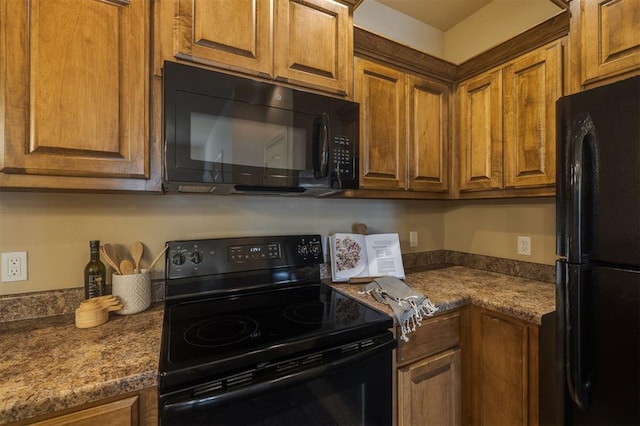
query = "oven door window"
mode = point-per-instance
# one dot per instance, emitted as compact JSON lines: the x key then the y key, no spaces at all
{"x":237,"y":142}
{"x":359,"y":394}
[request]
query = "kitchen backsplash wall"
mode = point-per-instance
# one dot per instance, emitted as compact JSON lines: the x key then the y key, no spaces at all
{"x":55,"y":229}
{"x":492,"y":227}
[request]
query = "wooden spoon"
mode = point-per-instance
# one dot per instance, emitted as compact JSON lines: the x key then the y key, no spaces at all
{"x":136,"y":253}
{"x":157,"y":258}
{"x":111,"y":258}
{"x":126,"y":266}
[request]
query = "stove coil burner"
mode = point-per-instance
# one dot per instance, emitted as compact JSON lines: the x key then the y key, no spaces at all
{"x":306,"y":313}
{"x":221,"y":331}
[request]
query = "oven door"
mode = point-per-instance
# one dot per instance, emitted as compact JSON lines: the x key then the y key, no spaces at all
{"x":352,"y":390}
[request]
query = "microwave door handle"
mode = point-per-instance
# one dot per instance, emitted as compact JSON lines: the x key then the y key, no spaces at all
{"x":320,"y":147}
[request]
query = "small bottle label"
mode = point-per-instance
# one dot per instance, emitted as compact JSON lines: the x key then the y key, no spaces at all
{"x":95,"y":285}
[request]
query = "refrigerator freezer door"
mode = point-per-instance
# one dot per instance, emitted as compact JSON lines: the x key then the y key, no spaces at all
{"x":598,"y":185}
{"x":609,"y":346}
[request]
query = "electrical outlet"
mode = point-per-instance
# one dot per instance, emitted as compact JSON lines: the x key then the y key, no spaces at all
{"x":524,"y":246}
{"x":14,"y":266}
{"x":413,"y":239}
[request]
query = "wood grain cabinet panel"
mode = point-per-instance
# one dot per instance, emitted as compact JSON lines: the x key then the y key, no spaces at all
{"x":428,"y":139}
{"x":313,"y":44}
{"x":429,"y":391}
{"x":504,"y":359}
{"x":380,"y":90}
{"x":532,"y":85}
{"x":507,"y":126}
{"x":131,"y":409}
{"x":234,"y":33}
{"x":429,"y":376}
{"x":404,"y":129}
{"x":610,"y":31}
{"x":306,"y":43}
{"x":480,"y":132}
{"x":75,"y":91}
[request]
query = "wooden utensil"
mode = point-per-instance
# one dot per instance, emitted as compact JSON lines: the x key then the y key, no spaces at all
{"x":136,"y":253}
{"x":109,"y":260}
{"x":110,"y":253}
{"x":95,"y":311}
{"x":360,"y":228}
{"x":126,"y":267}
{"x":157,"y":258}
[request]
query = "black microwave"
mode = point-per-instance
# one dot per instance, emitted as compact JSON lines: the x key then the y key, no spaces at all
{"x":226,"y":134}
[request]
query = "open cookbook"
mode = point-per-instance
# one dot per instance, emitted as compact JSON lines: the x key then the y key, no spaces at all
{"x":356,"y":255}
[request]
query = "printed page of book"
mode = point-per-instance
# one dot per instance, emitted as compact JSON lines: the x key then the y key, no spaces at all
{"x":348,"y":256}
{"x":385,"y":256}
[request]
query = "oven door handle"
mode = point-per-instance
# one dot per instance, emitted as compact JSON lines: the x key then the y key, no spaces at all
{"x":185,"y":403}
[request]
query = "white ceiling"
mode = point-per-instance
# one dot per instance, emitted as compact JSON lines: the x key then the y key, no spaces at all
{"x":440,"y":14}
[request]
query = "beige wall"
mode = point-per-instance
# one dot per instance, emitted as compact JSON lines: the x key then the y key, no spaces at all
{"x":55,"y":229}
{"x":495,"y":23}
{"x":491,"y":227}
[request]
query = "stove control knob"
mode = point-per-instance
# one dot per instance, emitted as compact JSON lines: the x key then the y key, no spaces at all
{"x":315,"y":249}
{"x":196,"y":257}
{"x":178,"y":259}
{"x":303,"y":250}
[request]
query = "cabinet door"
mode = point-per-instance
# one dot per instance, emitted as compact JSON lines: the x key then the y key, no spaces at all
{"x":380,"y":91}
{"x":428,"y":138}
{"x":532,"y":85}
{"x":480,"y":132}
{"x":313,"y":44}
{"x":123,"y":412}
{"x":75,"y":88}
{"x":504,"y":369}
{"x":610,"y":37}
{"x":429,"y":391}
{"x":232,"y":33}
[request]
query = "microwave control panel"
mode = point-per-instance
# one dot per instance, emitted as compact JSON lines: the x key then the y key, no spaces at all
{"x":342,"y":163}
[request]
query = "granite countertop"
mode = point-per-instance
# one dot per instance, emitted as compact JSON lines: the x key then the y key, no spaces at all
{"x":456,"y":286}
{"x":48,"y":364}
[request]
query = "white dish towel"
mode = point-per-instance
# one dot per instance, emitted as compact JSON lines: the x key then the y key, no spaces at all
{"x":409,"y":306}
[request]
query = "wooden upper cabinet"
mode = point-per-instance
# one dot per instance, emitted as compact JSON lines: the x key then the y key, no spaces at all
{"x":532,"y":84}
{"x":75,"y":90}
{"x":313,"y":43}
{"x":610,"y":38}
{"x":428,"y":139}
{"x":303,"y":42}
{"x":380,"y":90}
{"x":234,"y":33}
{"x":480,"y":132}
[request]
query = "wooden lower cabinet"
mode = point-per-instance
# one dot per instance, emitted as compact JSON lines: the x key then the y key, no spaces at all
{"x":429,"y":391}
{"x":133,"y":409}
{"x":502,"y":381}
{"x":429,"y":373}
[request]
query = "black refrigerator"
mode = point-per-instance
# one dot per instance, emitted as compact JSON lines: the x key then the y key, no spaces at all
{"x":598,"y":244}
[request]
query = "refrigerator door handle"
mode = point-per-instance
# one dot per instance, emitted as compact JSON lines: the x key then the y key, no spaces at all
{"x":578,"y":382}
{"x":583,"y":138}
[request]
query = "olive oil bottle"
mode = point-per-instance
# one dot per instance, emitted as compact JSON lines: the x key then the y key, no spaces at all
{"x":94,"y":273}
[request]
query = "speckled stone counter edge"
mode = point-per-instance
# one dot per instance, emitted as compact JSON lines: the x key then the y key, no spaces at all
{"x":41,"y":304}
{"x":60,"y":302}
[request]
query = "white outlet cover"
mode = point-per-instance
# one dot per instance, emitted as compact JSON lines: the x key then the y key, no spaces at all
{"x":14,"y":266}
{"x":524,"y":246}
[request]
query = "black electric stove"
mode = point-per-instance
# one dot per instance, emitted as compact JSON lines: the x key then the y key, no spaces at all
{"x":252,"y":312}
